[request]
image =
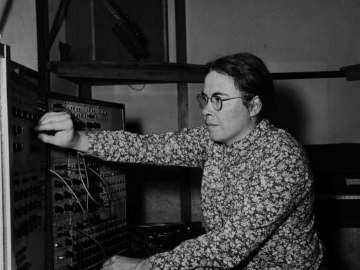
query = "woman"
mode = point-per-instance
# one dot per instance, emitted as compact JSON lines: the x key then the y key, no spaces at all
{"x":257,"y":197}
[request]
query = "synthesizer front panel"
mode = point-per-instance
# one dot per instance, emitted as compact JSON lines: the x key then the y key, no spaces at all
{"x":60,"y":210}
{"x":29,"y":177}
{"x":23,"y":173}
{"x":88,"y":195}
{"x":86,"y":230}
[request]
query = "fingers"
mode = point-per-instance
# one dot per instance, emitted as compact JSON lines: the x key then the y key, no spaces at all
{"x":105,"y":265}
{"x":56,"y":128}
{"x":50,"y":139}
{"x":58,"y":125}
{"x":110,"y":262}
{"x":51,"y":120}
{"x":50,"y":114}
{"x":125,"y":263}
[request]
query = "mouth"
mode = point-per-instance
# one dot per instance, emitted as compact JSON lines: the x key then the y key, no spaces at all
{"x":209,"y":124}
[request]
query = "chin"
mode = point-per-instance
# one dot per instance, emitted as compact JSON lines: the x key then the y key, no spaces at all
{"x":216,"y":138}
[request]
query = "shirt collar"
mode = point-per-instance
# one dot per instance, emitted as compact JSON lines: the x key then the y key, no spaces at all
{"x":251,"y":138}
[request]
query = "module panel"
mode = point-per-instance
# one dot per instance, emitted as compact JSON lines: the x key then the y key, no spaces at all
{"x":88,"y":195}
{"x":23,"y":173}
{"x":59,"y":209}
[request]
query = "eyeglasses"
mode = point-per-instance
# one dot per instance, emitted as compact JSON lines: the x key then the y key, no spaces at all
{"x":215,"y":101}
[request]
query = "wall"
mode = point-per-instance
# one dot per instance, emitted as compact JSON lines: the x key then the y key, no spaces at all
{"x":289,"y":36}
{"x":19,"y":32}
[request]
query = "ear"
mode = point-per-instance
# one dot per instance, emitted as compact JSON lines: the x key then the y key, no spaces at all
{"x":255,"y":106}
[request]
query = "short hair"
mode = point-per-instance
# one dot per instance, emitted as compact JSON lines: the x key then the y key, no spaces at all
{"x":251,"y":77}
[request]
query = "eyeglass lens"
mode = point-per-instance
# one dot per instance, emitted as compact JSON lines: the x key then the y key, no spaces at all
{"x":215,"y":101}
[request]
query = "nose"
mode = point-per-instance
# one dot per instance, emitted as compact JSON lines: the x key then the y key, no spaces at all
{"x":208,"y":109}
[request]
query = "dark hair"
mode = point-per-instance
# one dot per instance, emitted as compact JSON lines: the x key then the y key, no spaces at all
{"x":251,"y":77}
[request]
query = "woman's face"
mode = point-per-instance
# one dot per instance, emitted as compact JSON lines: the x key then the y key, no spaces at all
{"x":234,"y":121}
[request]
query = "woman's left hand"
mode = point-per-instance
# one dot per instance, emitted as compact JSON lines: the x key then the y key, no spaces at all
{"x":125,"y":263}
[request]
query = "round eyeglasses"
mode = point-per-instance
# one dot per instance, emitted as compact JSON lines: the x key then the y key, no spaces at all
{"x":215,"y":101}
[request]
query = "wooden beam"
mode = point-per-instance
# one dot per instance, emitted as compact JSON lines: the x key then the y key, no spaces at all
{"x":352,"y":72}
{"x":183,"y":104}
{"x":138,"y":72}
{"x":181,"y":57}
{"x":308,"y":75}
{"x":116,"y":72}
{"x":42,"y":23}
{"x":42,"y":26}
{"x":57,"y":22}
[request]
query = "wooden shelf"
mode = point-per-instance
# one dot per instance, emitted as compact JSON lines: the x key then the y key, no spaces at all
{"x":352,"y":72}
{"x":105,"y":73}
{"x":124,"y":73}
{"x":308,"y":75}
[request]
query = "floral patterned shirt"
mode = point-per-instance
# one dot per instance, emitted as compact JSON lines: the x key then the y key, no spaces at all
{"x":256,"y":196}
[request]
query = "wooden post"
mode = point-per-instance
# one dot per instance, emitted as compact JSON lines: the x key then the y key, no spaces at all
{"x":42,"y":26}
{"x":183,"y":105}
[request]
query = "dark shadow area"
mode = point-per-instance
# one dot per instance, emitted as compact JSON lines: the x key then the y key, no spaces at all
{"x":153,"y":192}
{"x":146,"y":241}
{"x":337,"y":192}
{"x":136,"y":35}
{"x":336,"y":170}
{"x":133,"y":126}
{"x":288,"y":111}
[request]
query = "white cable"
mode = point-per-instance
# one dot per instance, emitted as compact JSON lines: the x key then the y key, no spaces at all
{"x":73,"y":193}
{"x":105,"y":184}
{"x":107,"y":190}
{"x":87,"y":179}
{"x":88,"y":235}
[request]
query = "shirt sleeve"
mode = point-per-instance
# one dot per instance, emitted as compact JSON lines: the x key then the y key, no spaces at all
{"x":185,"y":148}
{"x":281,"y":180}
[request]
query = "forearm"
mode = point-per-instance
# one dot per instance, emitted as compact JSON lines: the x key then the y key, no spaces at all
{"x":210,"y":251}
{"x":174,"y":149}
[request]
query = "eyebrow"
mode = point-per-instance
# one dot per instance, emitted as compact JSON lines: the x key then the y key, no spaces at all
{"x":215,"y":94}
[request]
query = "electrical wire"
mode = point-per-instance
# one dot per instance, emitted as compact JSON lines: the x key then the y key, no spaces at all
{"x":107,"y":191}
{"x":71,"y":190}
{"x":104,"y":183}
{"x":73,"y":193}
{"x":137,"y":89}
{"x":87,"y":178}
{"x":92,"y":238}
{"x":87,"y":183}
{"x":146,"y":242}
{"x":64,"y":267}
{"x":71,"y":227}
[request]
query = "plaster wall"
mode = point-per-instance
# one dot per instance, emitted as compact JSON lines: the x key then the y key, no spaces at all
{"x":19,"y":32}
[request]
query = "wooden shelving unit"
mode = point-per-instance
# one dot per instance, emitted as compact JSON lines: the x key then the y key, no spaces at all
{"x":114,"y":73}
{"x":102,"y":73}
{"x":352,"y":72}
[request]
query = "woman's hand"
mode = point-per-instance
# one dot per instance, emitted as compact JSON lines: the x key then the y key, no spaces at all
{"x":64,"y":133}
{"x":125,"y":263}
